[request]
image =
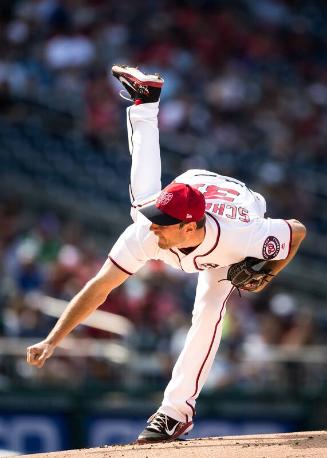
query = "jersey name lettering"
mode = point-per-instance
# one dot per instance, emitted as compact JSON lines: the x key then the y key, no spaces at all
{"x":229,"y":211}
{"x":226,"y":194}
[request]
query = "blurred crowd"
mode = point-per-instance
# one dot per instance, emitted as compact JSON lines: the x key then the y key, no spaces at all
{"x":245,"y":80}
{"x":45,"y":255}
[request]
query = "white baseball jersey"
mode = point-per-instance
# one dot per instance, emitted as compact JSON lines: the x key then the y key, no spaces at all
{"x":235,"y":228}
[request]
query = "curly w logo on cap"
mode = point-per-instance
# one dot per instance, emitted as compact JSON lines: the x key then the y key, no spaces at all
{"x":177,"y":203}
{"x":165,"y":198}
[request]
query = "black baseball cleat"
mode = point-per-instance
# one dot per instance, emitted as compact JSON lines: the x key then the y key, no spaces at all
{"x":142,"y":88}
{"x":162,"y":428}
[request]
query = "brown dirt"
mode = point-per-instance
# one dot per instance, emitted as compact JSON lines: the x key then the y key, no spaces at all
{"x":311,"y":444}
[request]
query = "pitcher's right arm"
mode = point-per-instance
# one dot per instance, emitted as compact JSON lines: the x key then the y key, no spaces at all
{"x":91,"y":296}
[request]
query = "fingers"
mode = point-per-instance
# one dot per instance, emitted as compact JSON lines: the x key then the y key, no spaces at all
{"x":36,"y":355}
{"x":33,"y":356}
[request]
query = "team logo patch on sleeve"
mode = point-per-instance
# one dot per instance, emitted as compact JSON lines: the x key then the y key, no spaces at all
{"x":271,"y":247}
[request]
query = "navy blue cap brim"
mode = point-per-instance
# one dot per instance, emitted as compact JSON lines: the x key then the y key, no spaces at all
{"x":156,"y":216}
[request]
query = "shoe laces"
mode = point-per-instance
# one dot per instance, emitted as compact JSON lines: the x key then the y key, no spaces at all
{"x":158,"y":422}
{"x":143,"y":90}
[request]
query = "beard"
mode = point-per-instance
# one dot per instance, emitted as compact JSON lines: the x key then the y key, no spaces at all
{"x":163,"y":244}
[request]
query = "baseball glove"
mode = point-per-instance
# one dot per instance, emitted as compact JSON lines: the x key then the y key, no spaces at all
{"x":248,"y":274}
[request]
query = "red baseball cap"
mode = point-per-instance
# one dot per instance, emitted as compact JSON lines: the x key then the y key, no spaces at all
{"x":177,"y":203}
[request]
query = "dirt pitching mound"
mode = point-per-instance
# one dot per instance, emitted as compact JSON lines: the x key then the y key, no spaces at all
{"x":311,"y":444}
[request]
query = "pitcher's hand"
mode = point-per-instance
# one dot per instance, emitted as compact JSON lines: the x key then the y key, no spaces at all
{"x":38,"y":353}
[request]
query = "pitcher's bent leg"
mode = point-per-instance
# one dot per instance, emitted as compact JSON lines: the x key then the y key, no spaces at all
{"x":194,"y":363}
{"x":143,"y":140}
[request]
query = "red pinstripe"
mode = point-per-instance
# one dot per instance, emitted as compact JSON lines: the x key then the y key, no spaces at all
{"x":215,"y":245}
{"x":119,"y":267}
{"x":143,"y":205}
{"x":291,"y":237}
{"x":208,"y":353}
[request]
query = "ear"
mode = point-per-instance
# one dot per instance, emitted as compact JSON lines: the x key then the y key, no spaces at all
{"x":190,"y":227}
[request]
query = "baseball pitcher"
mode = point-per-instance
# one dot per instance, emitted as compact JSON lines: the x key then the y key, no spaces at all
{"x":201,"y":222}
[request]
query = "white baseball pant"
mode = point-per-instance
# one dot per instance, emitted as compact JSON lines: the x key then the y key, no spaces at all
{"x":194,"y":363}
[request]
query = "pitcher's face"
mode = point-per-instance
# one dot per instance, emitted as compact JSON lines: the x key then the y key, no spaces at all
{"x":169,"y":236}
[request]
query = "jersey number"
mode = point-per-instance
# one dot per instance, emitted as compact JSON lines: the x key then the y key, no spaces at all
{"x":216,"y":192}
{"x":230,"y":211}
